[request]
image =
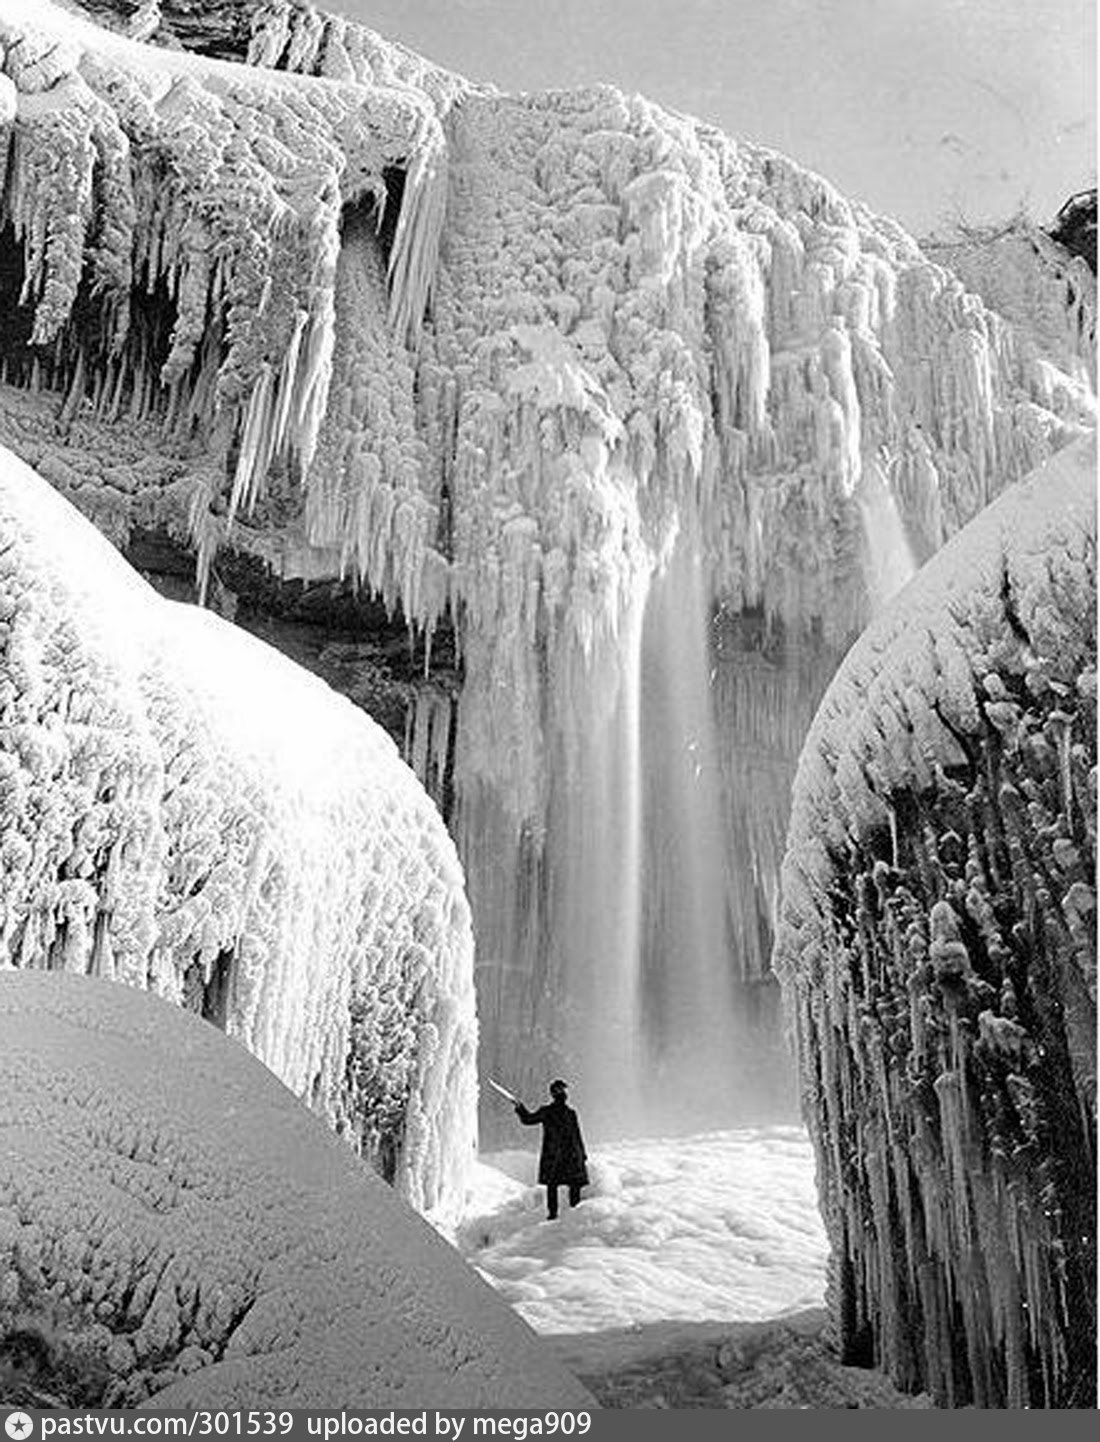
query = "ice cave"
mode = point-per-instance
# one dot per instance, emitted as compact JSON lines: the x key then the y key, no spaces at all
{"x":575,"y":443}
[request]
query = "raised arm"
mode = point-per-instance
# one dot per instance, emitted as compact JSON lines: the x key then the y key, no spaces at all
{"x":529,"y":1119}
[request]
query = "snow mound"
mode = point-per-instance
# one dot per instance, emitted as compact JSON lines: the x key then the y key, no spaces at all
{"x":183,"y":809}
{"x":170,"y":1214}
{"x":938,"y":950}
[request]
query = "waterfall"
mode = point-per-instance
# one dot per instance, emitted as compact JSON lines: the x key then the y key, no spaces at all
{"x":687,"y":1016}
{"x":888,"y":562}
{"x":596,"y":870}
{"x":648,"y":851}
{"x":640,"y":879}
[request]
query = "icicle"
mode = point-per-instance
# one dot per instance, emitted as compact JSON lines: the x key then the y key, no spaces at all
{"x":306,"y":29}
{"x":75,"y":395}
{"x":285,"y":385}
{"x":428,"y":738}
{"x":311,"y":384}
{"x":416,"y":241}
{"x":255,"y":444}
{"x":270,"y":25}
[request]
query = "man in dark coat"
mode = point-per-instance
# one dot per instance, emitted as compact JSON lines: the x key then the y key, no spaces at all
{"x":562,"y":1158}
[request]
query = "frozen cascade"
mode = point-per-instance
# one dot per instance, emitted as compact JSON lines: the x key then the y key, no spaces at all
{"x":593,"y":327}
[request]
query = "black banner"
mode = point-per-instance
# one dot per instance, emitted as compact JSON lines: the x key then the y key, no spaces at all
{"x":602,"y":1425}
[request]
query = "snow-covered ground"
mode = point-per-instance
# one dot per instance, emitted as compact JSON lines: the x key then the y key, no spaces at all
{"x":691,"y":1275}
{"x":718,"y":1227}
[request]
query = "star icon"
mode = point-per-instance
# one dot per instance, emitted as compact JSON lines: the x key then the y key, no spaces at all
{"x":18,"y":1425}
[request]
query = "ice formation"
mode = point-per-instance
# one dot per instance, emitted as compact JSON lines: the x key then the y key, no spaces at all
{"x":177,"y":1231}
{"x":605,"y":391}
{"x":186,"y":810}
{"x":938,"y":946}
{"x":1025,"y":275}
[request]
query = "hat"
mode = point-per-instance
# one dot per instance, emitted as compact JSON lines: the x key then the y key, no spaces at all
{"x":557,"y":1088}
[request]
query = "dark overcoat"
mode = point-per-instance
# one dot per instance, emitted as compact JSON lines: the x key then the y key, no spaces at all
{"x":563,"y":1157}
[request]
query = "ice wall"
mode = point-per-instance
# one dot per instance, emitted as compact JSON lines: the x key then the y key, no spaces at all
{"x":938,"y":951}
{"x":186,"y":810}
{"x":509,"y":361}
{"x":1023,"y":273}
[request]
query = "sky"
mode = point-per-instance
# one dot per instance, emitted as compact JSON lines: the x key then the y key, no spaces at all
{"x":932,"y":111}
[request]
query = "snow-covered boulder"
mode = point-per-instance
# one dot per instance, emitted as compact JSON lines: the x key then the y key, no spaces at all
{"x":938,"y":950}
{"x":176,"y":1230}
{"x":184,"y":809}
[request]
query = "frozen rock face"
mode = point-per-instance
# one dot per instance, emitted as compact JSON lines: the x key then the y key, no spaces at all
{"x":177,"y":1231}
{"x":601,"y":391}
{"x":1026,"y":275}
{"x":938,"y":949}
{"x":183,"y":809}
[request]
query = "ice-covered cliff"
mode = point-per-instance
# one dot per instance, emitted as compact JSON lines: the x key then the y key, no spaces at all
{"x":176,"y":1231}
{"x":1025,"y":274}
{"x":649,"y":419}
{"x":938,"y":947}
{"x":183,"y":809}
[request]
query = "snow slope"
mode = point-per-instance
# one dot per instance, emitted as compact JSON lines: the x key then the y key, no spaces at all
{"x":183,"y":809}
{"x":938,"y":947}
{"x":178,"y":1227}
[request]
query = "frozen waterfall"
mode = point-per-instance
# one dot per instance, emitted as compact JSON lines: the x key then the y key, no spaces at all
{"x":647,"y":419}
{"x":637,"y":997}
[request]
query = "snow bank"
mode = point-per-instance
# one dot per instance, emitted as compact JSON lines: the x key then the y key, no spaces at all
{"x":178,"y":1228}
{"x":938,"y":950}
{"x":183,"y":809}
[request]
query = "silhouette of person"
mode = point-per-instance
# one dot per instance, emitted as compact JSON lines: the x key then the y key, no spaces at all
{"x":562,"y":1157}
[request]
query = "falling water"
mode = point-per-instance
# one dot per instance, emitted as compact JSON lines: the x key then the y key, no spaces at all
{"x":662,"y":1030}
{"x":596,"y":823}
{"x":889,"y":562}
{"x":687,"y":1012}
{"x":616,"y":947}
{"x":641,"y":877}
